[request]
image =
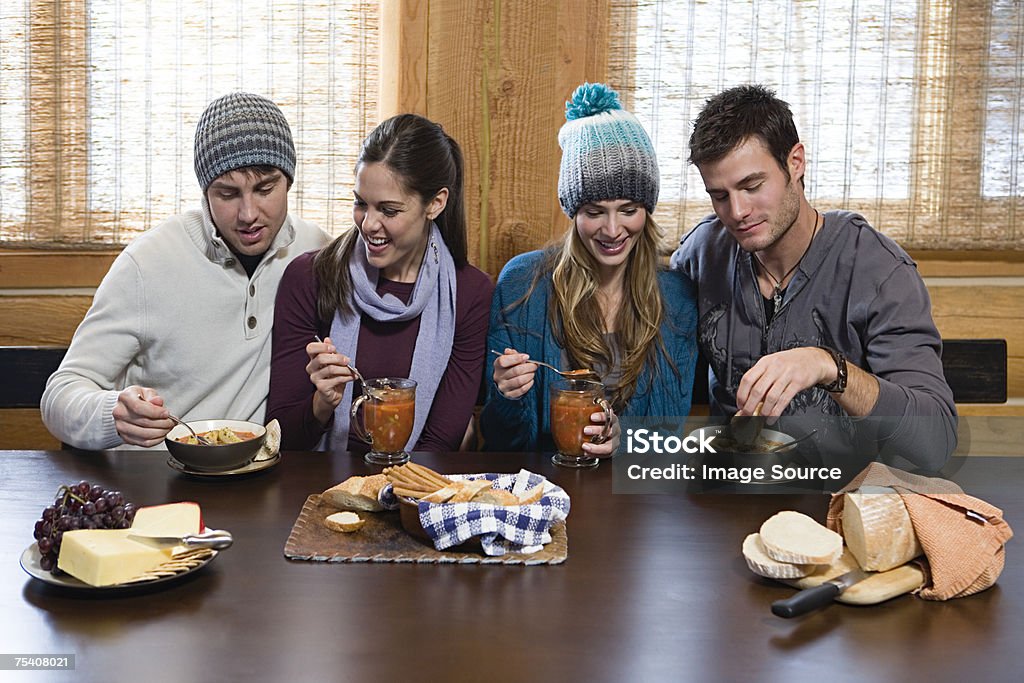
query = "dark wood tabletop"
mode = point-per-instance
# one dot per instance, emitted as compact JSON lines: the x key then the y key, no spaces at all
{"x":654,"y":588}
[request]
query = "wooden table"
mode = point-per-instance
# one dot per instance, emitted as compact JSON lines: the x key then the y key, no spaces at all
{"x":654,"y":589}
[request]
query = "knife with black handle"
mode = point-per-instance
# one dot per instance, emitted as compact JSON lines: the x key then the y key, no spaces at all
{"x":811,"y":599}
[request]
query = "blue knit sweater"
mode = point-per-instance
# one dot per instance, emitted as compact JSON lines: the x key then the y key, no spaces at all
{"x":523,"y":424}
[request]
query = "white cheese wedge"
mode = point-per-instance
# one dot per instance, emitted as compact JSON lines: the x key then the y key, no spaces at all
{"x":763,"y":565}
{"x":793,"y":537}
{"x":103,"y":557}
{"x":878,"y":529}
{"x":172,"y":519}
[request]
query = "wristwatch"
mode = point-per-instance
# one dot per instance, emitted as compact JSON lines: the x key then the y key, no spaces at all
{"x":839,"y":386}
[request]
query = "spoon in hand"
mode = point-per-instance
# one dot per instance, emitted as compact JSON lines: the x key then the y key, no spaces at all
{"x":588,"y":375}
{"x":746,"y":428}
{"x":362,"y":382}
{"x":203,"y":441}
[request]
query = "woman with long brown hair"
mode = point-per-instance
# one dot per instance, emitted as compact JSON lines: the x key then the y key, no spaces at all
{"x":597,"y":297}
{"x":394,"y":295}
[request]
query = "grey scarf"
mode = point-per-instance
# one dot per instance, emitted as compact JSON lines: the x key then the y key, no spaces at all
{"x":433,"y":300}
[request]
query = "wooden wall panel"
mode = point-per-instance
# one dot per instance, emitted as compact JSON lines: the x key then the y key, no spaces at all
{"x":987,"y":311}
{"x":498,"y":82}
{"x":40,"y":320}
{"x":23,"y":428}
{"x":23,"y":269}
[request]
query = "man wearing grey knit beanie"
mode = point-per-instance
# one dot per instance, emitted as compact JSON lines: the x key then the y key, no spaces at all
{"x":181,"y":323}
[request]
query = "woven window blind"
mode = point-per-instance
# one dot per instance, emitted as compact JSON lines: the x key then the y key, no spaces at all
{"x":911,"y":112}
{"x":99,"y":102}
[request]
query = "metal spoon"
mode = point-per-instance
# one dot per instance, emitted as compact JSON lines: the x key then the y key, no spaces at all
{"x":362,"y":382}
{"x":588,"y":375}
{"x":789,"y":444}
{"x":203,"y":441}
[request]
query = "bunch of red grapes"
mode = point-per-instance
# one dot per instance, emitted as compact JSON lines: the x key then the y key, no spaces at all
{"x":80,"y":506}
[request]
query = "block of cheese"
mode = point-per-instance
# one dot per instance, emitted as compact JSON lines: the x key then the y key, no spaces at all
{"x":790,"y":536}
{"x":103,"y":557}
{"x":878,"y":529}
{"x":172,"y":519}
{"x":762,"y":564}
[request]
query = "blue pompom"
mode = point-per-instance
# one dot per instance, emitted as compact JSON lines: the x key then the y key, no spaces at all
{"x":590,"y":99}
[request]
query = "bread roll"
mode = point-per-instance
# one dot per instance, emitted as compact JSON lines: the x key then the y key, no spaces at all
{"x":763,"y":565}
{"x":357,"y":493}
{"x":344,"y":521}
{"x":793,"y":537}
{"x":878,"y":529}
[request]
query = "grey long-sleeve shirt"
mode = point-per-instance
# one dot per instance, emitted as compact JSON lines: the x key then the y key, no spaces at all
{"x":856,"y":291}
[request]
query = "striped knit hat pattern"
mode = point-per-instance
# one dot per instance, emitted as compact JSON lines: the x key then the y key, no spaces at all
{"x":606,"y":154}
{"x":239,"y":130}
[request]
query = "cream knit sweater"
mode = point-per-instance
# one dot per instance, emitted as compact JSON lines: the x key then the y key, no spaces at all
{"x":176,"y":312}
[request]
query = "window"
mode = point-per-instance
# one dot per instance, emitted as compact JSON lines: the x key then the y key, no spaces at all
{"x":911,"y":112}
{"x":98,"y":106}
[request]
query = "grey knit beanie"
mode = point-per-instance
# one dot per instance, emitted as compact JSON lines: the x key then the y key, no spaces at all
{"x":238,"y":130}
{"x":606,"y":154}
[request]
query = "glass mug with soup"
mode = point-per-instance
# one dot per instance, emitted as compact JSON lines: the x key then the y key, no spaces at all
{"x":572,"y":403}
{"x":389,"y":407}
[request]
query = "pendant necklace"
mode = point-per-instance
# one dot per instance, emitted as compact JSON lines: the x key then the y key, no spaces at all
{"x":777,"y":295}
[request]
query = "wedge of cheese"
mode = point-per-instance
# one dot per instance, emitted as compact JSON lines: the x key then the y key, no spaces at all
{"x":172,"y":519}
{"x":793,"y":537}
{"x":103,"y":557}
{"x":878,"y":529}
{"x":762,"y":564}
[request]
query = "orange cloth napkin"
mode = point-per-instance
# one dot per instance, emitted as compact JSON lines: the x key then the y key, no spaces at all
{"x":963,"y":537}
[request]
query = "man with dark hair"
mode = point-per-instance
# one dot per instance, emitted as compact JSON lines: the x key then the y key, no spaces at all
{"x":801,"y":312}
{"x":182,"y":320}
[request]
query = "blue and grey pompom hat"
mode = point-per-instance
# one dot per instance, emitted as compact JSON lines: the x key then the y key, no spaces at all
{"x":606,"y":153}
{"x":239,"y":130}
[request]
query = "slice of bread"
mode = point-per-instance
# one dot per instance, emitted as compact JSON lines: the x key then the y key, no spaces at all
{"x":532,"y":495}
{"x":469,"y":488}
{"x":357,"y":493}
{"x":763,"y":564}
{"x":794,"y":537}
{"x":496,"y":497}
{"x":344,"y":521}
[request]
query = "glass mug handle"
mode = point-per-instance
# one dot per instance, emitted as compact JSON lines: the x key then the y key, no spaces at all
{"x":357,"y":425}
{"x":607,"y":430}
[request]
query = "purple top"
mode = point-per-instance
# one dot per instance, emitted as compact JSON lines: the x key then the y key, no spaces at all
{"x":383,"y":350}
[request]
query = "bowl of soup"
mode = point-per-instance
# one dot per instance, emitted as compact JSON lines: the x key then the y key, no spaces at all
{"x":234,"y":444}
{"x":771,"y":447}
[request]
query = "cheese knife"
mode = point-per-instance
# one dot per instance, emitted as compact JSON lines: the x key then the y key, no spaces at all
{"x":813,"y":598}
{"x":216,"y":539}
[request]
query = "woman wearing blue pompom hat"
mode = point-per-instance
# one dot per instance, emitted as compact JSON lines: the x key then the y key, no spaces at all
{"x":596,"y":298}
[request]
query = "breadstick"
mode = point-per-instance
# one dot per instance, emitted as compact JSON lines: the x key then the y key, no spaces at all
{"x":429,"y":473}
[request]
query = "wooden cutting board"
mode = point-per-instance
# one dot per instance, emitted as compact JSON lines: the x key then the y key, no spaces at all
{"x":878,"y":587}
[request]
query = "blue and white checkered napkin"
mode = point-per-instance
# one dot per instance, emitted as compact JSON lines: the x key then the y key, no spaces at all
{"x":502,"y":529}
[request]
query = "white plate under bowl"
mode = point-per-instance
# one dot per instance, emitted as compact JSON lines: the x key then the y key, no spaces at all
{"x":262,"y":462}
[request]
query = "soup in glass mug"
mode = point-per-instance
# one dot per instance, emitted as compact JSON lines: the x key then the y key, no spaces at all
{"x":388,"y":411}
{"x":572,"y":402}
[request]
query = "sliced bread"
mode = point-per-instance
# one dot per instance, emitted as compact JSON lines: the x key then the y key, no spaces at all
{"x":763,"y":564}
{"x":793,"y":537}
{"x":357,"y":493}
{"x":344,"y":521}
